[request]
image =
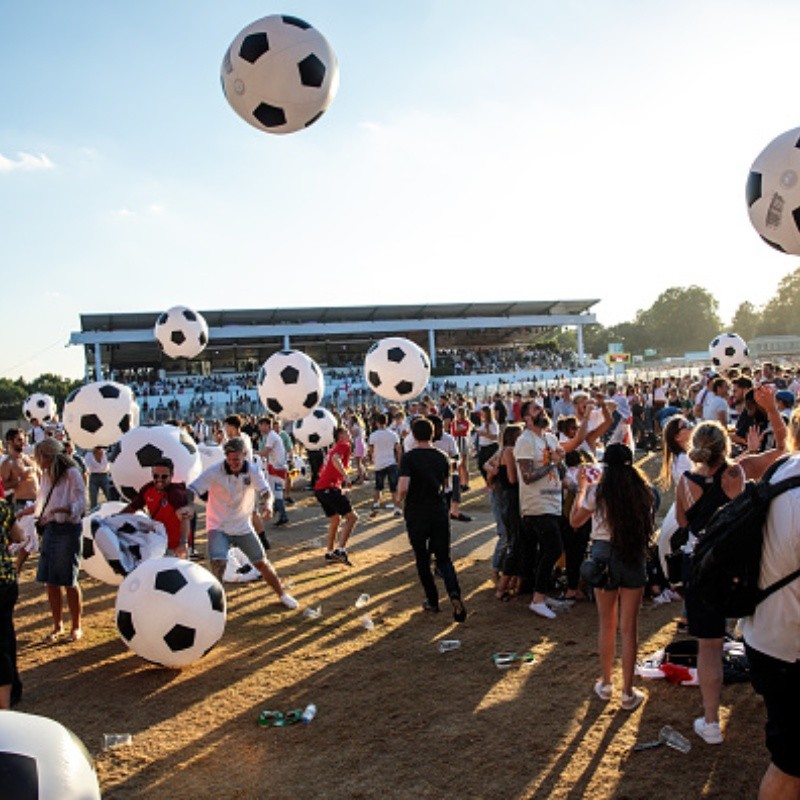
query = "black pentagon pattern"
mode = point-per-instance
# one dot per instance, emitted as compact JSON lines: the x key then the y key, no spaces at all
{"x":314,"y":438}
{"x":162,"y":319}
{"x":136,"y":551}
{"x":274,"y":406}
{"x":395,"y":354}
{"x":286,"y":352}
{"x":314,"y":119}
{"x":404,"y":387}
{"x":40,"y":403}
{"x":91,"y":423}
{"x":187,"y":442}
{"x":226,"y":64}
{"x":262,"y":374}
{"x":319,"y":413}
{"x":94,"y":524}
{"x":126,"y":527}
{"x":177,"y":337}
{"x":217,"y":597}
{"x":254,"y":45}
{"x":312,"y":71}
{"x":269,"y":116}
{"x":202,"y":338}
{"x":128,"y":492}
{"x":290,"y":375}
{"x":312,"y":399}
{"x":374,"y":378}
{"x":109,"y":392}
{"x":753,"y":189}
{"x":179,"y":637}
{"x":71,"y":396}
{"x":87,"y":547}
{"x":125,"y":625}
{"x":796,"y":218}
{"x":189,"y":314}
{"x":715,"y":361}
{"x":730,"y":351}
{"x":373,"y":348}
{"x":314,"y":367}
{"x":773,"y":244}
{"x":148,"y":455}
{"x":20,"y":776}
{"x":715,"y":342}
{"x":170,"y":581}
{"x":125,"y":423}
{"x":296,"y":21}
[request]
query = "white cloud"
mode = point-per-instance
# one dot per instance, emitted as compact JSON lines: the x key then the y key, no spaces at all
{"x":25,"y":161}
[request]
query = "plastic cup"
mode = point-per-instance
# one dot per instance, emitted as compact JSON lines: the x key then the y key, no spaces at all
{"x":446,"y":645}
{"x":112,"y":740}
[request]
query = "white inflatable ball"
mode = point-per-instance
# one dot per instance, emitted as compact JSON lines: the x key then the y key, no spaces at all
{"x":728,"y":350}
{"x":98,"y":414}
{"x":239,"y":568}
{"x":92,"y":560}
{"x":181,"y":332}
{"x":397,"y":369}
{"x":133,"y":457}
{"x":773,"y":193}
{"x":210,"y":454}
{"x":279,"y":74}
{"x":316,"y":430}
{"x":170,"y":611}
{"x":40,"y":759}
{"x":290,"y":384}
{"x":39,"y":406}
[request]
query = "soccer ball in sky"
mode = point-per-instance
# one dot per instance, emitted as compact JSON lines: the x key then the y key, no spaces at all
{"x":133,"y":457}
{"x":170,"y":611}
{"x":40,"y":759}
{"x":290,"y":384}
{"x":316,"y":430}
{"x":773,"y":193}
{"x":728,"y":350}
{"x":280,"y":74}
{"x":181,"y":332}
{"x":39,"y":406}
{"x":396,"y":368}
{"x":97,"y":414}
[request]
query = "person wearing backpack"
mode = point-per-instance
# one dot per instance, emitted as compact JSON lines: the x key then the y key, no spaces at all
{"x":771,"y":633}
{"x":713,"y":481}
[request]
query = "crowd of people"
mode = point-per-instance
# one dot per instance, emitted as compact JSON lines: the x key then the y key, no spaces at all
{"x":575,"y":516}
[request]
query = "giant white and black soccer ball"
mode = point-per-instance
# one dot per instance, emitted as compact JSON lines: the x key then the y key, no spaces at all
{"x":181,"y":332}
{"x":98,"y":414}
{"x":290,"y":384}
{"x":773,"y":193}
{"x":133,"y":457}
{"x":92,"y":560}
{"x":39,"y":406}
{"x":728,"y":350}
{"x":170,"y":611}
{"x":316,"y":430}
{"x":280,"y":74}
{"x":396,"y":368}
{"x":41,"y":759}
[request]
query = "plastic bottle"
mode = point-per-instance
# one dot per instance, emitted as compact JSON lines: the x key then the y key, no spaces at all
{"x":312,"y":613}
{"x":446,"y":645}
{"x":366,"y":622}
{"x":308,"y":714}
{"x":362,"y":600}
{"x":111,"y":740}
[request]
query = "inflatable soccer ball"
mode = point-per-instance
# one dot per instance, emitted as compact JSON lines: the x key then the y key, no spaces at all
{"x":97,"y":414}
{"x":209,"y":454}
{"x":40,"y":759}
{"x":170,"y":611}
{"x":290,"y":384}
{"x":280,"y":74}
{"x":316,"y":430}
{"x":396,"y":368}
{"x":133,"y":457}
{"x":728,"y":350}
{"x":181,"y":332}
{"x":39,"y":406}
{"x":92,"y":561}
{"x":773,"y":193}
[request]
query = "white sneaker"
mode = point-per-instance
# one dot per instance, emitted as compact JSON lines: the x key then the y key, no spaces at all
{"x":289,"y":601}
{"x":709,"y":732}
{"x":543,"y":610}
{"x":664,"y":597}
{"x":389,"y":506}
{"x":376,"y":506}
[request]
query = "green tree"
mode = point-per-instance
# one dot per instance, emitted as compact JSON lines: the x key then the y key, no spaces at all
{"x":746,"y":320}
{"x":781,"y":315}
{"x":12,"y":395}
{"x":54,"y":385}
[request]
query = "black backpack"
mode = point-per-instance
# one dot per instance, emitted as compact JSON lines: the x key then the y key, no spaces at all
{"x":727,"y":557}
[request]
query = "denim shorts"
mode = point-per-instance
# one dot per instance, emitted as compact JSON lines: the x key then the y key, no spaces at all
{"x":390,"y":473}
{"x":60,"y":554}
{"x":219,"y":542}
{"x":621,"y":574}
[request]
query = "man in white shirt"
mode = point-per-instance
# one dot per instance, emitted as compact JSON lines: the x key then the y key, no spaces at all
{"x":715,"y":407}
{"x":231,"y":489}
{"x":273,"y":453}
{"x":384,"y":453}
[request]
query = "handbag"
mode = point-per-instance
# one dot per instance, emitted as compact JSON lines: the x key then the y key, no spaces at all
{"x":39,"y":527}
{"x":595,"y":572}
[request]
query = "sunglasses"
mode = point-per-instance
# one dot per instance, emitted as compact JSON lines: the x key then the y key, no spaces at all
{"x":161,"y":476}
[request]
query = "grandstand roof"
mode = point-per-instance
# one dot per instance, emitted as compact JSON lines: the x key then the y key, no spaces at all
{"x":329,"y":334}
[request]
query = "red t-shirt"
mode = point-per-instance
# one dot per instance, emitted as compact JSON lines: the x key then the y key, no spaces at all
{"x":161,"y":506}
{"x":329,"y":476}
{"x":460,"y":427}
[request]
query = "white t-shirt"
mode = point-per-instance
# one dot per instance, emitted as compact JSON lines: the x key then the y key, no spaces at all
{"x":383,"y":443}
{"x":542,"y":496}
{"x":276,"y":452}
{"x":715,"y":406}
{"x":491,"y":428}
{"x":600,"y":530}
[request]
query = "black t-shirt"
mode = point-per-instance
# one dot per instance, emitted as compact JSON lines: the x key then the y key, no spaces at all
{"x":428,"y":470}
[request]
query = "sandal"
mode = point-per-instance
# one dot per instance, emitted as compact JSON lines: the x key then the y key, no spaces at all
{"x":76,"y":635}
{"x":632,"y":701}
{"x":53,"y":636}
{"x":604,"y":691}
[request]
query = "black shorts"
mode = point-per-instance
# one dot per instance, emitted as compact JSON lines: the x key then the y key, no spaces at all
{"x":778,"y":682}
{"x":391,"y":474}
{"x":704,"y":622}
{"x":333,"y":501}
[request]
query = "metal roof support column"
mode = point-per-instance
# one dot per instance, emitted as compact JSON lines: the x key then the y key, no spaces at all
{"x":432,"y":346}
{"x":286,"y":344}
{"x":98,"y":363}
{"x":579,"y":329}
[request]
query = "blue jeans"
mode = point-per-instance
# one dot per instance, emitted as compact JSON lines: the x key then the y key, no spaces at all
{"x":97,"y":481}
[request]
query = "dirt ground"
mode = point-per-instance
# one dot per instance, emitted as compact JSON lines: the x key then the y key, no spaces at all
{"x":396,"y":719}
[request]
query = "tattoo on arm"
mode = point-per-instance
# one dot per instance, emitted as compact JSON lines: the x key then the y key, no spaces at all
{"x":531,"y":474}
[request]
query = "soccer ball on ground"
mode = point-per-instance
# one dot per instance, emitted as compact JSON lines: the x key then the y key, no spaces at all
{"x":40,"y":758}
{"x":773,"y":193}
{"x":290,"y":384}
{"x":133,"y":457}
{"x":98,"y":414}
{"x":728,"y":350}
{"x":92,"y":561}
{"x":316,"y":430}
{"x":279,"y":74}
{"x":181,"y":332}
{"x":39,"y":406}
{"x":170,"y":611}
{"x":396,"y":369}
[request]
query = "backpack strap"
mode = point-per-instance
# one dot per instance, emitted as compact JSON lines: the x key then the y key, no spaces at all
{"x":785,"y":581}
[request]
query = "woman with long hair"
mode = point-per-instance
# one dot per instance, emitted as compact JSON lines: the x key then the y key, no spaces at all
{"x":60,"y":505}
{"x":488,"y":433}
{"x":620,"y":506}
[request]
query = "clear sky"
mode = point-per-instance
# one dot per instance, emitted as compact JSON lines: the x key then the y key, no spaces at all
{"x":475,"y":152}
